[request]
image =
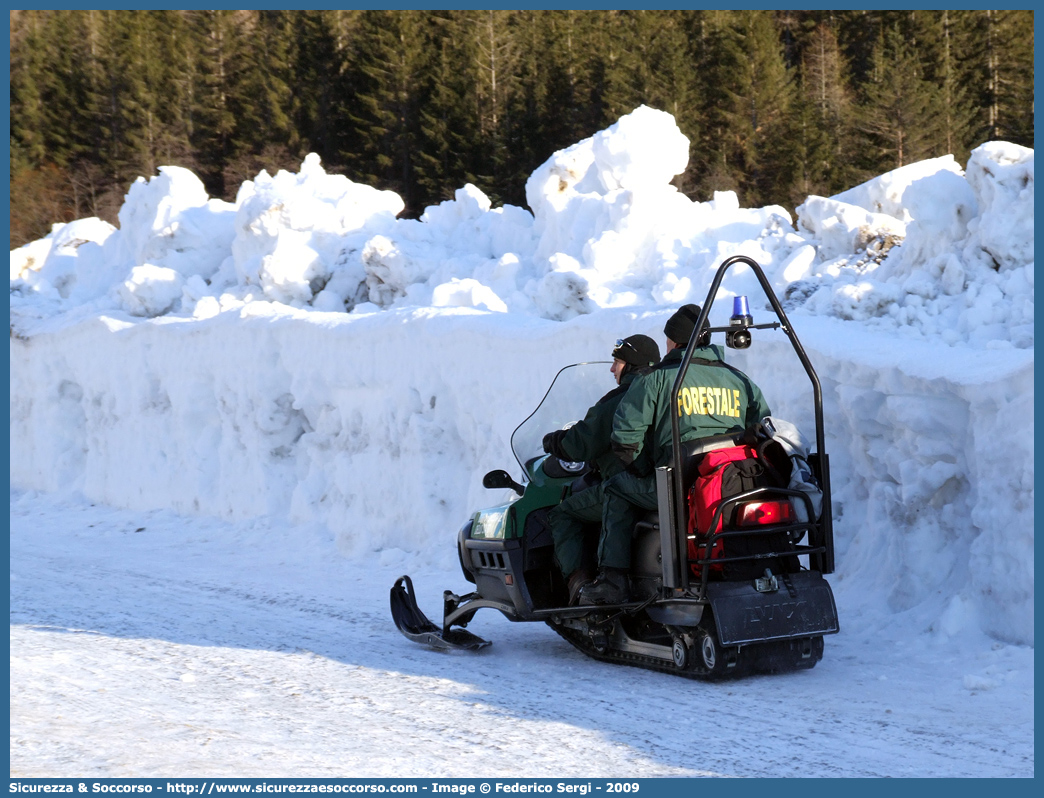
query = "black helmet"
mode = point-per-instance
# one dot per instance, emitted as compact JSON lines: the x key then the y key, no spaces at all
{"x":639,"y":351}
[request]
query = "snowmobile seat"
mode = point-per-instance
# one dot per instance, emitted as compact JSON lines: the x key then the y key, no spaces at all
{"x":650,"y":519}
{"x":693,"y":451}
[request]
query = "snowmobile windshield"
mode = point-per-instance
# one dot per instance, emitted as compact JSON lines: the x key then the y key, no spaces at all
{"x":573,"y":390}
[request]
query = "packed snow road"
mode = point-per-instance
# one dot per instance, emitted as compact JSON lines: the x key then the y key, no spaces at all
{"x":151,"y":645}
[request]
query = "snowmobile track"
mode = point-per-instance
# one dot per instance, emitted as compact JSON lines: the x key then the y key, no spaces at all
{"x":743,"y":667}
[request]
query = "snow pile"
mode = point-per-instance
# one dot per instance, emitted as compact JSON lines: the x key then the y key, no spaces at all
{"x":925,"y":249}
{"x":304,"y":354}
{"x":170,"y":222}
{"x":297,"y":237}
{"x":947,"y":254}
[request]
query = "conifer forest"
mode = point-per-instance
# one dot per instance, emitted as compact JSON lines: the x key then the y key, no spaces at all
{"x":777,"y":105}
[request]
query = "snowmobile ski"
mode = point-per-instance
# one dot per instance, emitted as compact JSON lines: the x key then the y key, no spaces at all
{"x":415,"y":624}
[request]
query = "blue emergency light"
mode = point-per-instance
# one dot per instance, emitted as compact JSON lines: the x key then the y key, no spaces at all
{"x":740,"y":312}
{"x":741,"y":320}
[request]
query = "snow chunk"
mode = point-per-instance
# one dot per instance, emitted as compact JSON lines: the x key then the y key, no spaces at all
{"x":1001,"y":174}
{"x":978,"y":683}
{"x":294,"y":232}
{"x":941,"y":206}
{"x":841,"y":228}
{"x":884,"y":194}
{"x":390,"y":269}
{"x":169,"y":221}
{"x":71,"y":262}
{"x":562,"y":295}
{"x":623,"y":159}
{"x":467,"y":293}
{"x":151,"y":290}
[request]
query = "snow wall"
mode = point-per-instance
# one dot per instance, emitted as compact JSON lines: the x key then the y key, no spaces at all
{"x":201,"y":357}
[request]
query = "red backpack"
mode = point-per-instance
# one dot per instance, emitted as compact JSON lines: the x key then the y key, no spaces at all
{"x":721,"y":474}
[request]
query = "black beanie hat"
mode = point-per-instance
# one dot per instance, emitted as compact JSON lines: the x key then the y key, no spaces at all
{"x":638,"y":350}
{"x":679,"y":327}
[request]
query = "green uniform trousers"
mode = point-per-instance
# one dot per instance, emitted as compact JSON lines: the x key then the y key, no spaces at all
{"x":627,"y":499}
{"x":568,"y":521}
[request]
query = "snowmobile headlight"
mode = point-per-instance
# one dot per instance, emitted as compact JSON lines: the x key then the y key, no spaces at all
{"x":489,"y":525}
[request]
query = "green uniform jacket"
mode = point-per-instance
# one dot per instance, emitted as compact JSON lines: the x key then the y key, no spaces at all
{"x":715,"y":398}
{"x":588,"y":440}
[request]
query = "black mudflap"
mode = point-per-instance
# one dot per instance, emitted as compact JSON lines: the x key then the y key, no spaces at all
{"x":415,"y":625}
{"x":789,"y":606}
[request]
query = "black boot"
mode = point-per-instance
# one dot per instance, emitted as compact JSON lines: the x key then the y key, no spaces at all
{"x":577,"y":581}
{"x":609,"y":588}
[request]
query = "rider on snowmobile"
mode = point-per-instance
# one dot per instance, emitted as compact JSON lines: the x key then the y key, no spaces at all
{"x":588,"y":440}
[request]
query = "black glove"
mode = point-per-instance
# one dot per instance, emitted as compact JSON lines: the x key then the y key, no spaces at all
{"x":625,"y":454}
{"x":553,"y":444}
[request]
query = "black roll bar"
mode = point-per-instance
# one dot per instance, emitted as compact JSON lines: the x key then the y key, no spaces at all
{"x":823,"y":530}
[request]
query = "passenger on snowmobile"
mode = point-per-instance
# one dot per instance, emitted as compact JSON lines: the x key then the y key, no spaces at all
{"x":588,"y":441}
{"x":716,"y":398}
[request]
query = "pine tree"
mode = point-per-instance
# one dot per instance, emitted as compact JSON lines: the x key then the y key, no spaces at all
{"x":654,"y":67}
{"x":449,"y":129}
{"x":538,"y":121}
{"x":392,"y":78}
{"x":753,"y":110}
{"x":494,"y":64}
{"x":900,"y":119}
{"x":141,"y":63}
{"x":270,"y":74}
{"x":824,"y":133}
{"x":29,"y":147}
{"x":220,"y":45}
{"x":628,"y":69}
{"x":1003,"y":64}
{"x":38,"y":184}
{"x":858,"y":33}
{"x":260,"y":101}
{"x":325,"y":45}
{"x":69,"y":86}
{"x":938,"y":43}
{"x":178,"y":59}
{"x":715,"y":165}
{"x":956,"y":108}
{"x":563,"y":76}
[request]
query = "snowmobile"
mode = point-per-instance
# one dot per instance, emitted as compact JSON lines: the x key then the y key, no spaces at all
{"x":745,"y":595}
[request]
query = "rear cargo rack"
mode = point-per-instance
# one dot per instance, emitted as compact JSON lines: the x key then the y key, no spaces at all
{"x":795,"y":550}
